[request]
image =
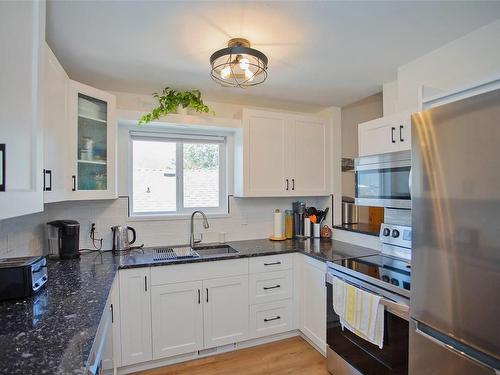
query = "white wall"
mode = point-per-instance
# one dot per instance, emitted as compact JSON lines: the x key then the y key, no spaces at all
{"x":390,"y":97}
{"x":471,"y":58}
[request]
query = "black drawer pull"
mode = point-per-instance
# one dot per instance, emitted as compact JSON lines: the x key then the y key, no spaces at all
{"x":73,"y":178}
{"x":199,"y":297}
{"x":393,"y":129}
{"x":401,"y":133}
{"x":272,"y":264}
{"x":271,"y":319}
{"x":272,"y":287}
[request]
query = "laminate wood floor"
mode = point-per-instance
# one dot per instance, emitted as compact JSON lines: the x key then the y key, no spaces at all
{"x":290,"y":356}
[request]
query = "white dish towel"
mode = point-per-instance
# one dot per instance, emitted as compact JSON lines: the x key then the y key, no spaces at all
{"x":360,"y":312}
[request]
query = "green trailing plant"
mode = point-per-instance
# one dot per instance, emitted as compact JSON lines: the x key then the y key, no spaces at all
{"x":169,"y":100}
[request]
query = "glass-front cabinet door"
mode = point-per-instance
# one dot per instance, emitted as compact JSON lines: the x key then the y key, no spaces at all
{"x":93,"y":151}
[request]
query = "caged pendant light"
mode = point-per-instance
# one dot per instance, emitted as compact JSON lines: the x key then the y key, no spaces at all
{"x":238,"y":65}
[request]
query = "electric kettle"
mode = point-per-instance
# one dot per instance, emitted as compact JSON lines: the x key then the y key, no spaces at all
{"x":120,"y":238}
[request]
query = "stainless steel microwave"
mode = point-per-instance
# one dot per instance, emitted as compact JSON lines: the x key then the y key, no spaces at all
{"x":384,"y":180}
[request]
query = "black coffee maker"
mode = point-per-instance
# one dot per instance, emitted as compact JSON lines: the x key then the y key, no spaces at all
{"x":66,"y":239}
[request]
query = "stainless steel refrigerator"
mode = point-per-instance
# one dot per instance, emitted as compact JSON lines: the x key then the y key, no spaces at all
{"x":455,"y":290}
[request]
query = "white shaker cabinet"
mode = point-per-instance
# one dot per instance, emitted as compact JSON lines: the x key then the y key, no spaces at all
{"x":92,"y":138}
{"x":135,"y":315}
{"x":55,"y":89}
{"x":313,"y":324}
{"x":177,"y":318}
{"x":384,"y":135}
{"x":22,"y":34}
{"x":225,"y":310}
{"x":282,"y":154}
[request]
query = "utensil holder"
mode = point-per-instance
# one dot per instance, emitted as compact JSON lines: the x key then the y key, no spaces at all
{"x":316,"y":230}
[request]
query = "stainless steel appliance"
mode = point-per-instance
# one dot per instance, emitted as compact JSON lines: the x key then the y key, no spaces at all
{"x":348,"y":353}
{"x":456,"y":238}
{"x":383,"y":180}
{"x":67,"y":238}
{"x":22,"y":277}
{"x":299,"y":209}
{"x":350,"y":212}
{"x":121,"y":241}
{"x":396,"y":240}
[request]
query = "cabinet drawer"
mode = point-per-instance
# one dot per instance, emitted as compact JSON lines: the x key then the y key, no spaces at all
{"x":270,"y":286}
{"x":270,"y":263}
{"x":270,"y":318}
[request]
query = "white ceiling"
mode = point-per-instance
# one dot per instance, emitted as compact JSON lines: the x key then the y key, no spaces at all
{"x":320,"y":53}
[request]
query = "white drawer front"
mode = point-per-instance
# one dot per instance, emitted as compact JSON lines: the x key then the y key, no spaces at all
{"x":270,"y":263}
{"x":270,"y":318}
{"x":270,"y":286}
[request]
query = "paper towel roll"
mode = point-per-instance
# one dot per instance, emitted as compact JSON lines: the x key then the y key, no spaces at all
{"x":278,"y":230}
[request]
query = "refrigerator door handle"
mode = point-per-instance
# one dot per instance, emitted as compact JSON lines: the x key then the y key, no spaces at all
{"x":458,"y":348}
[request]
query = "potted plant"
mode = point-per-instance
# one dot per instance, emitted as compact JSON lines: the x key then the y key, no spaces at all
{"x":170,"y":101}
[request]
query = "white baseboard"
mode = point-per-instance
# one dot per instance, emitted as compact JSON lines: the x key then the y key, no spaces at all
{"x":313,"y":344}
{"x":205,"y":353}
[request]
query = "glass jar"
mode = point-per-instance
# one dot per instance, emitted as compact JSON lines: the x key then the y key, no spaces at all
{"x":289,"y":224}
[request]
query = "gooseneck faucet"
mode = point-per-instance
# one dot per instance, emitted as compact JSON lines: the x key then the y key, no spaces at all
{"x":192,"y":240}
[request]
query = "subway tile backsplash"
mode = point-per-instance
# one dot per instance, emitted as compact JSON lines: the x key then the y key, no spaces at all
{"x":249,"y":218}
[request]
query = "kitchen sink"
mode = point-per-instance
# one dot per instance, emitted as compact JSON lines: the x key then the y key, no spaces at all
{"x":217,"y":250}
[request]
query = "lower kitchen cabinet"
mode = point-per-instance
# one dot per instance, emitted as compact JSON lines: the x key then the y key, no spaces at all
{"x":135,"y":316}
{"x":177,"y":318}
{"x":225,"y":310}
{"x":314,"y":302}
{"x":270,"y":318}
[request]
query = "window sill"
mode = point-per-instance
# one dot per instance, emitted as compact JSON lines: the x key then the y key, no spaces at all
{"x":175,"y":217}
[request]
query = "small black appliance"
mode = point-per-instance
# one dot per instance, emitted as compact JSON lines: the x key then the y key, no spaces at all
{"x":22,"y":277}
{"x":68,"y":238}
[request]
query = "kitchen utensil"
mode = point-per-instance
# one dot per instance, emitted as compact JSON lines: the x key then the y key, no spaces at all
{"x":121,"y":241}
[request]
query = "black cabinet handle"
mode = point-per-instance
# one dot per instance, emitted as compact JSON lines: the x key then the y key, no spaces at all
{"x":207,"y":295}
{"x":112,"y":314}
{"x":47,"y":172}
{"x":271,"y":319}
{"x":272,"y":264}
{"x":199,"y":297}
{"x":74,"y":183}
{"x":393,"y":129}
{"x":146,"y":283}
{"x":401,"y":133}
{"x":293,"y":183}
{"x":272,"y":287}
{"x":287,"y":184}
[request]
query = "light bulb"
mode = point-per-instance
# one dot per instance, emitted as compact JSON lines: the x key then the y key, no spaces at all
{"x":249,"y":75}
{"x":244,"y":64}
{"x":226,"y":72}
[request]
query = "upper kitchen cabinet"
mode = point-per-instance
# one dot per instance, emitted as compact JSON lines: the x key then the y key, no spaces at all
{"x":281,"y":154}
{"x":92,"y":142}
{"x":386,"y":134}
{"x":55,"y":87}
{"x":22,"y":33}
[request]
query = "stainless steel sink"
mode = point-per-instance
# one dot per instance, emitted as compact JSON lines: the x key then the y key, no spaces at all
{"x":217,"y":250}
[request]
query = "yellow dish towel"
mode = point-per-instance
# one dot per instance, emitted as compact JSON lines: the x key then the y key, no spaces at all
{"x":360,"y":312}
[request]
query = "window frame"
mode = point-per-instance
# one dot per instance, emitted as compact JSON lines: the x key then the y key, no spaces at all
{"x":180,"y":139}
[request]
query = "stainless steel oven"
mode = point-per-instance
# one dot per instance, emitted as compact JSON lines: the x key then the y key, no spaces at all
{"x":384,"y":180}
{"x":349,"y":354}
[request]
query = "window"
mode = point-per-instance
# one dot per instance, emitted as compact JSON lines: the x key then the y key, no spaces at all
{"x":174,"y":174}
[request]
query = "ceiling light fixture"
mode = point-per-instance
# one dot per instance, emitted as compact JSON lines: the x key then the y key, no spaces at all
{"x":238,"y":65}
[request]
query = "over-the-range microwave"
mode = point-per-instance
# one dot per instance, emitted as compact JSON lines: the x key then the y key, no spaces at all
{"x":384,"y":180}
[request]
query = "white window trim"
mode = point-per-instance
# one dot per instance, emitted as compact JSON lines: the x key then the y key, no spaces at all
{"x":182,"y":212}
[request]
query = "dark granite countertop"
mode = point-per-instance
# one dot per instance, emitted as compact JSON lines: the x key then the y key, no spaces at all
{"x":364,"y":228}
{"x":321,"y":249}
{"x":53,"y":331}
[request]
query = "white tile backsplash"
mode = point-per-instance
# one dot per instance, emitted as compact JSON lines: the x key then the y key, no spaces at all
{"x":249,"y":218}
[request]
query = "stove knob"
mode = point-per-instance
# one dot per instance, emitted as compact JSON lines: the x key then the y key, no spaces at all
{"x":385,"y":278}
{"x":395,"y":281}
{"x":395,"y":233}
{"x":386,"y":232}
